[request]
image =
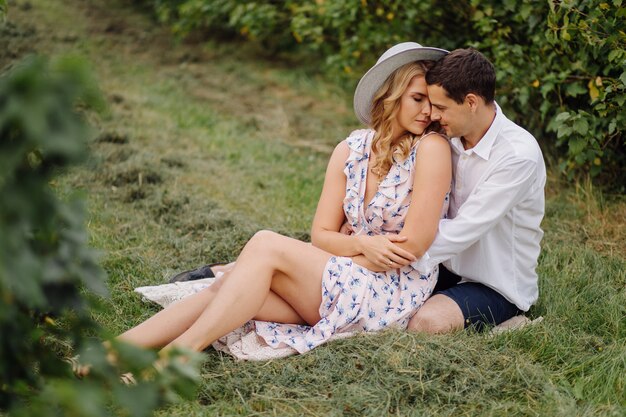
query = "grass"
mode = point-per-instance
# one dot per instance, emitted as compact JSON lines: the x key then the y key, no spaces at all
{"x":203,"y":144}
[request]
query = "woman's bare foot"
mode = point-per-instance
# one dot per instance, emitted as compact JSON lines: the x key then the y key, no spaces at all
{"x":78,"y":369}
{"x":81,"y":370}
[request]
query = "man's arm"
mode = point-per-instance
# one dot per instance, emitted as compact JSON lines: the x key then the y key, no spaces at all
{"x":484,"y":208}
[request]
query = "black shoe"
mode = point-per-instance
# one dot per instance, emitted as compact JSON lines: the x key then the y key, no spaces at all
{"x":194,"y":274}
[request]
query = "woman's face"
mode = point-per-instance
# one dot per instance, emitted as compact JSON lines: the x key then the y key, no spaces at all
{"x":414,"y":113}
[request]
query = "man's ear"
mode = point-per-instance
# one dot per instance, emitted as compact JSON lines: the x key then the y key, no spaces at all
{"x":472,"y":101}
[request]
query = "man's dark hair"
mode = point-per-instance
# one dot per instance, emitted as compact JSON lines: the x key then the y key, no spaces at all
{"x":464,"y":71}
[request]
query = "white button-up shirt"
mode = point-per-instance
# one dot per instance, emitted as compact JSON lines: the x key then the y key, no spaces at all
{"x":493,"y":231}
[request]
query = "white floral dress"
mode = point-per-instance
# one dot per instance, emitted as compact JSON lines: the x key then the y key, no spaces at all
{"x":355,"y":298}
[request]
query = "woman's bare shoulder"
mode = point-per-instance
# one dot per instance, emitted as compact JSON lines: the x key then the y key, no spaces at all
{"x":434,"y":143}
{"x":434,"y":137}
{"x":342,"y":149}
{"x":340,"y":155}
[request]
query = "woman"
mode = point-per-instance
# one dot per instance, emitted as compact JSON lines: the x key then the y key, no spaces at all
{"x":389,"y":182}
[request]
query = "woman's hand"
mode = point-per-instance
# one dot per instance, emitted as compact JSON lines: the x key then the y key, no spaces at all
{"x":382,"y":251}
{"x":346,"y":229}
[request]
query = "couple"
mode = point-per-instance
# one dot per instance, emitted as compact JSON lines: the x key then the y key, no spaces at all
{"x":416,"y":253}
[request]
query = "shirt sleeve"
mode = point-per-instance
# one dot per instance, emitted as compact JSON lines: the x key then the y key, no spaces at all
{"x":492,"y":199}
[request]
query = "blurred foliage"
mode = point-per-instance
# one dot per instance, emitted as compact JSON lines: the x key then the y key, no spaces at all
{"x":3,"y":10}
{"x":46,"y":263}
{"x":561,"y":64}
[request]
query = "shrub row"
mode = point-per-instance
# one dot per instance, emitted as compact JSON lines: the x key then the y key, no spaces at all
{"x":561,"y":64}
{"x":45,"y":260}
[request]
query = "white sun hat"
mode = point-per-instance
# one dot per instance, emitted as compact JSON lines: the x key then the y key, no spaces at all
{"x":395,"y":57}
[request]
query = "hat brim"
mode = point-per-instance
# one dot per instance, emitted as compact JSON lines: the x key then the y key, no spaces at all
{"x":376,"y":76}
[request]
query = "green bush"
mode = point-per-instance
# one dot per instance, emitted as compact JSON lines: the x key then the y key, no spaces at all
{"x":561,"y":64}
{"x":3,"y":10}
{"x":46,"y":263}
{"x":562,"y":71}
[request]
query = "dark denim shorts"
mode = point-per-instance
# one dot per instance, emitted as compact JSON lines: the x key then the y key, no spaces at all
{"x":481,"y":306}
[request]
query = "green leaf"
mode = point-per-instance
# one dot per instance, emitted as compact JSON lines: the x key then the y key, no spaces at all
{"x":564,"y":131}
{"x":525,"y":11}
{"x":4,"y":8}
{"x":546,"y":88}
{"x":127,"y":396}
{"x":576,"y":145}
{"x":612,"y":127}
{"x":615,"y":54}
{"x":575,"y":89}
{"x":581,"y":126}
{"x":561,"y":117}
{"x":595,"y":170}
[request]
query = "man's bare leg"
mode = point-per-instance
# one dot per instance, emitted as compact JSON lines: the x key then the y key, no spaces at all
{"x":439,"y":314}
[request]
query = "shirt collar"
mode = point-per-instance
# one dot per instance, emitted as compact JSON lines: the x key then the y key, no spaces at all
{"x":484,"y":145}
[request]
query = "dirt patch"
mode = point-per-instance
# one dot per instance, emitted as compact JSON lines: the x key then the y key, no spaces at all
{"x":118,"y":155}
{"x":173,"y":162}
{"x":120,"y":177}
{"x":16,"y":41}
{"x":135,"y":193}
{"x":116,"y":98}
{"x":116,"y":138}
{"x":113,"y":137}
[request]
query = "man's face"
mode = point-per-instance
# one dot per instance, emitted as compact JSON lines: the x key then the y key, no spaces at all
{"x":453,"y":117}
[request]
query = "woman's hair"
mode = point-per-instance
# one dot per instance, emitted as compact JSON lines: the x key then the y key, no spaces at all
{"x":385,"y":108}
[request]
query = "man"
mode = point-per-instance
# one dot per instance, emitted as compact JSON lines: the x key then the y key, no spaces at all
{"x":489,"y":245}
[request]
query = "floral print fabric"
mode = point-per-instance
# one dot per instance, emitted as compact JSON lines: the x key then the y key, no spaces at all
{"x":354,"y":298}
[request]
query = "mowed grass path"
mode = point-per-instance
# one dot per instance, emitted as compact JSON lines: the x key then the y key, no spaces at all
{"x":203,"y":144}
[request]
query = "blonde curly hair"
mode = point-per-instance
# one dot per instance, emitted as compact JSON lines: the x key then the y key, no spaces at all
{"x":385,"y":108}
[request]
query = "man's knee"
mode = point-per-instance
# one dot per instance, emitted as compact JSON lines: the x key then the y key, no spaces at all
{"x":440,"y":314}
{"x":426,"y":322}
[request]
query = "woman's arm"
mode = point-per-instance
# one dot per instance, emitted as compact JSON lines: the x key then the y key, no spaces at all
{"x":329,"y":215}
{"x":433,"y":175}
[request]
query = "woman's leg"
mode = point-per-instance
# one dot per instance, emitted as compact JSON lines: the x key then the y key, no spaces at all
{"x":171,"y":322}
{"x":269,"y":262}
